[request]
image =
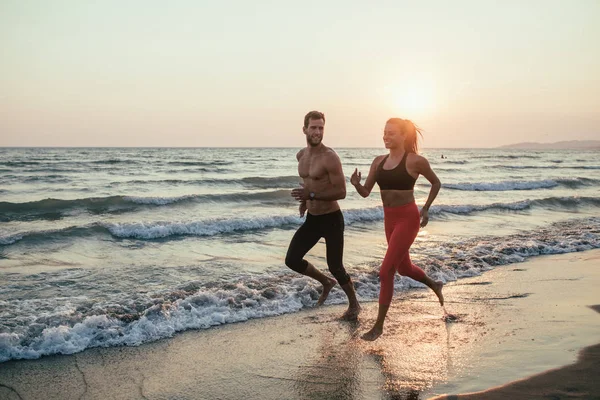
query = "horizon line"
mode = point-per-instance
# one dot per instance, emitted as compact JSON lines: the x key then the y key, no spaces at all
{"x":223,"y":147}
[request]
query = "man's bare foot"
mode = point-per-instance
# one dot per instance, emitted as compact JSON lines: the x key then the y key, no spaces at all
{"x":437,"y":289}
{"x":326,"y":289}
{"x":351,"y":313}
{"x":373,"y":334}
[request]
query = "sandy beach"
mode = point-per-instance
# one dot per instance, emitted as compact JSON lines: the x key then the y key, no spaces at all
{"x":166,"y":172}
{"x":577,"y":381}
{"x":527,"y":330}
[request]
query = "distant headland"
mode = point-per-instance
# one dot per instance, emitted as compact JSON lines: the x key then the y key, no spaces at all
{"x":569,"y":144}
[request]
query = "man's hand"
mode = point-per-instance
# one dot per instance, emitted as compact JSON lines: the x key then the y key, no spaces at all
{"x":302,"y":208}
{"x":424,"y":217}
{"x":301,"y":194}
{"x":355,"y":178}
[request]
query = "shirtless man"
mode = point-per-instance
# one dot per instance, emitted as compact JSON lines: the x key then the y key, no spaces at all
{"x":324,"y":183}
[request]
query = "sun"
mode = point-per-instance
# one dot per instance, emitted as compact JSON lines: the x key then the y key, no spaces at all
{"x":412,"y":99}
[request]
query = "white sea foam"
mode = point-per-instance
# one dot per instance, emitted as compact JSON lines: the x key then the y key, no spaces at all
{"x":67,"y":325}
{"x":157,"y":200}
{"x":522,"y":185}
{"x":10,"y":239}
{"x":211,"y":227}
{"x":155,"y":230}
{"x":502,"y":186}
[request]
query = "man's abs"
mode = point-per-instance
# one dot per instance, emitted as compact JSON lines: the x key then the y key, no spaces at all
{"x":320,"y":207}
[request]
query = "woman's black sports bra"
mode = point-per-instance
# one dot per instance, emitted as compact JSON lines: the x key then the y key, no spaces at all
{"x":395,"y":179}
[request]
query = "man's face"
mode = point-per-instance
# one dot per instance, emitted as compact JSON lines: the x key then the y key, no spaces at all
{"x":314,"y":132}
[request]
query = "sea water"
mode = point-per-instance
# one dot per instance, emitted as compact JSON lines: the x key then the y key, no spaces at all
{"x":121,"y":246}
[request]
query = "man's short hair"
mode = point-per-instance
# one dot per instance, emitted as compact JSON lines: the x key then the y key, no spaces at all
{"x":313,"y":115}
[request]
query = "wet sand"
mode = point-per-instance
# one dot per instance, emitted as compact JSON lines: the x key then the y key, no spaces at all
{"x":577,"y":381}
{"x":513,"y":322}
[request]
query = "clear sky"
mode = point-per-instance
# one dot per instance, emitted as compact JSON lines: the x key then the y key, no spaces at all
{"x":475,"y":73}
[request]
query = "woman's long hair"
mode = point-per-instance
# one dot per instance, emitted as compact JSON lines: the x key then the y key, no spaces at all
{"x":410,"y":130}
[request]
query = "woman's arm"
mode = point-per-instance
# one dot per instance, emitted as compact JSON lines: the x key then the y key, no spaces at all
{"x":423,"y":168}
{"x":365,"y":190}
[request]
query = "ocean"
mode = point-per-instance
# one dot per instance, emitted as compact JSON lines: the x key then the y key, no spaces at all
{"x":122,"y":246}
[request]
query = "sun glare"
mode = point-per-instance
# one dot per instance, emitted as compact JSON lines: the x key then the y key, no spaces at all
{"x":412,"y":100}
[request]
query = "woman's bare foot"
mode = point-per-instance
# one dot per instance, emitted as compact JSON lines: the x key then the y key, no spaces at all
{"x":326,"y":289}
{"x":373,"y":334}
{"x":351,"y":313}
{"x":437,"y":289}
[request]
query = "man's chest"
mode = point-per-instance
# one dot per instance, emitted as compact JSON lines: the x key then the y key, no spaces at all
{"x":311,"y":167}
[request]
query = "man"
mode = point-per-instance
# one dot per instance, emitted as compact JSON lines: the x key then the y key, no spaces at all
{"x":324,"y":183}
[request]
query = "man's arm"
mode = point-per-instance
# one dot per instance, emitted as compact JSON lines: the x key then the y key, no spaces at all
{"x":337,"y":188}
{"x":302,"y":208}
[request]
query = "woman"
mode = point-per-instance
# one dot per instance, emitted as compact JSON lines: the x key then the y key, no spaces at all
{"x":396,"y":174}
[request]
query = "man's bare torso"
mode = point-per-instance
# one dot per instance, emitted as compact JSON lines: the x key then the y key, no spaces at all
{"x":312,"y":168}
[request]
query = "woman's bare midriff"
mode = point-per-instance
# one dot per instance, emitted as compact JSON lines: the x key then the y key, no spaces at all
{"x":396,"y":198}
{"x":321,"y":207}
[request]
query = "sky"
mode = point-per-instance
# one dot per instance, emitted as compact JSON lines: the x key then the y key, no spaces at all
{"x":478,"y":73}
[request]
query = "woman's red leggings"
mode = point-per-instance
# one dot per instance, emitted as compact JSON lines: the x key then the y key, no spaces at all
{"x":401,"y":228}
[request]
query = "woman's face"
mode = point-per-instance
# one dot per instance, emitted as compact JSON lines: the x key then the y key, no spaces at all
{"x":392,"y":135}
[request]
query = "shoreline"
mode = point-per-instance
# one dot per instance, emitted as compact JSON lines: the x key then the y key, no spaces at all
{"x":515,"y":322}
{"x":574,"y":381}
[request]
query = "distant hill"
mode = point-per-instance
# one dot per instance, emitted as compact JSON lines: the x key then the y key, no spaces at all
{"x":569,"y":144}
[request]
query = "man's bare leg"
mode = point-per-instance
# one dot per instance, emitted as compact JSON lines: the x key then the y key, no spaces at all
{"x":328,"y":283}
{"x":353,"y":310}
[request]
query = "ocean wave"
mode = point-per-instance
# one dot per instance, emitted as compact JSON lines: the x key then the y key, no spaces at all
{"x":253,"y":182}
{"x":57,"y":208}
{"x":437,"y":169}
{"x":507,"y":156}
{"x":69,"y":325}
{"x":553,"y":167}
{"x":584,"y":167}
{"x":49,"y":169}
{"x":459,"y":162}
{"x":212,"y":227}
{"x":35,"y":179}
{"x":200,"y":163}
{"x":53,"y":178}
{"x":19,"y":163}
{"x":523,"y":185}
{"x":289,"y":181}
{"x":10,"y":239}
{"x":273,"y":196}
{"x":159,"y":230}
{"x":198,"y":169}
{"x":549,"y":202}
{"x":112,"y":161}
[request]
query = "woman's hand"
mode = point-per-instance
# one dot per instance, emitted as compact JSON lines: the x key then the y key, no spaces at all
{"x":424,"y":217}
{"x":355,"y":178}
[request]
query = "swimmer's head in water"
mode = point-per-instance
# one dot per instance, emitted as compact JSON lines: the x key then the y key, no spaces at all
{"x":314,"y":127}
